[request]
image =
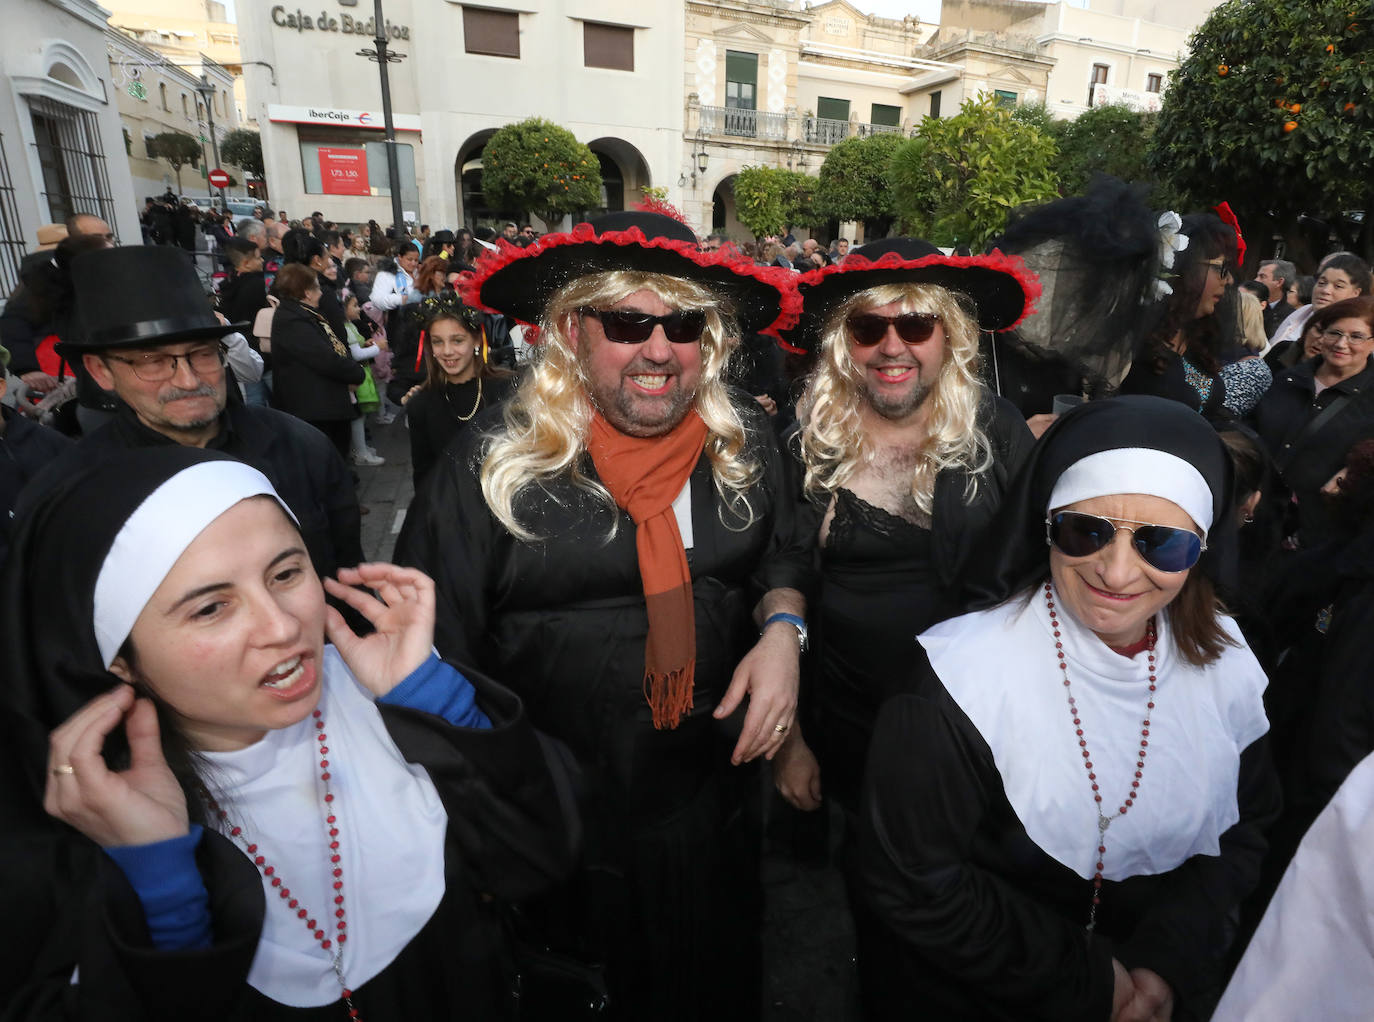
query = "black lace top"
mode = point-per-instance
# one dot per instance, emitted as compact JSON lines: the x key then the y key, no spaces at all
{"x":880,"y":590}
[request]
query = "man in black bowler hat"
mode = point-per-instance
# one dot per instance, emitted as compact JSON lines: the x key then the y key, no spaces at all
{"x":143,"y":329}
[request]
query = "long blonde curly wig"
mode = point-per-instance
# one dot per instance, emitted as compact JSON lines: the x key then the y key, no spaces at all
{"x":833,"y":441}
{"x":548,"y":417}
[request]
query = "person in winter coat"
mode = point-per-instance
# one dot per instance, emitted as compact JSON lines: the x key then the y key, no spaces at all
{"x":312,"y":369}
{"x":25,"y":448}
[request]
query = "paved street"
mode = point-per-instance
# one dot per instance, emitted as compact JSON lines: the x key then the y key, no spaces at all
{"x":808,"y":940}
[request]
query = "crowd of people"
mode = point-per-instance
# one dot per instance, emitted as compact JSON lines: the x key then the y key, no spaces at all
{"x":1048,"y":567}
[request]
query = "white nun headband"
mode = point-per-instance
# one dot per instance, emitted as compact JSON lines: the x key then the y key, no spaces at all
{"x":1136,"y":470}
{"x":157,"y":533}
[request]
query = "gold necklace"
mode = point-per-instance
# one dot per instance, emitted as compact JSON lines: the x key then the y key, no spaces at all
{"x":475,"y":405}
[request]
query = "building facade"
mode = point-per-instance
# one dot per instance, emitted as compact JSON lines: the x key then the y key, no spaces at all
{"x":592,"y":66}
{"x":61,"y":144}
{"x":764,"y":82}
{"x":184,"y":32}
{"x":773,"y":83}
{"x":155,"y":95}
{"x":779,"y":84}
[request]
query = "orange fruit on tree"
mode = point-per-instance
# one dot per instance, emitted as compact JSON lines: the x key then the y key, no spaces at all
{"x":1330,"y":47}
{"x":1290,"y":125}
{"x":1296,"y":108}
{"x":1349,"y":107}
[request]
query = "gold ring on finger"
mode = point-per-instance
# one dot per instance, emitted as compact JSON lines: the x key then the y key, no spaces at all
{"x":63,"y":768}
{"x":781,"y":728}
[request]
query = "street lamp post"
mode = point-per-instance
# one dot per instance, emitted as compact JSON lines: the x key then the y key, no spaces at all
{"x":207,"y":92}
{"x":383,"y":58}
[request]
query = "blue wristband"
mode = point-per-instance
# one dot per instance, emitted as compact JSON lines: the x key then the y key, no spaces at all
{"x":792,"y":619}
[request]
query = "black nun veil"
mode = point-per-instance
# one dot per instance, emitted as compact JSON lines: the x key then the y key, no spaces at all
{"x":1015,"y":554}
{"x":62,"y":537}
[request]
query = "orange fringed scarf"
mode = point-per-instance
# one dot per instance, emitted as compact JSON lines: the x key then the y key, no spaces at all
{"x":645,"y":475}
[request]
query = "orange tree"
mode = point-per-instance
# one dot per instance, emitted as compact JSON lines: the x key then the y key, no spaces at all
{"x":1272,"y":111}
{"x":768,"y":199}
{"x":537,"y":167}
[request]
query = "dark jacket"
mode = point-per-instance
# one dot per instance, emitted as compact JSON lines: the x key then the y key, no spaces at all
{"x":20,"y":331}
{"x":1173,"y":381}
{"x":1307,"y":460}
{"x":435,"y":416}
{"x":25,"y":448}
{"x":310,"y":379}
{"x":331,"y":307}
{"x":241,"y":297}
{"x":298,"y":460}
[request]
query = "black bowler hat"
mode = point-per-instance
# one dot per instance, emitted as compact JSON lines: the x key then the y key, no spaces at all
{"x":1001,"y":286}
{"x":137,"y":296}
{"x":519,"y":282}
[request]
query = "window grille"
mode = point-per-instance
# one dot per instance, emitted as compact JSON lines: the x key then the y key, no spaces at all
{"x":72,"y":160}
{"x":12,"y":246}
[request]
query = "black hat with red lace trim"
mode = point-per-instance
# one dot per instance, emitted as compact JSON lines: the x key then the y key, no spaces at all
{"x":519,"y":282}
{"x":1001,"y":286}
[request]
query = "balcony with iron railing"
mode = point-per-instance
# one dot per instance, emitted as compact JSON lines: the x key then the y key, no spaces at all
{"x":825,"y":131}
{"x":721,"y":120}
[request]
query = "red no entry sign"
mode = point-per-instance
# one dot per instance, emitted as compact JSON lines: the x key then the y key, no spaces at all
{"x":219,"y":178}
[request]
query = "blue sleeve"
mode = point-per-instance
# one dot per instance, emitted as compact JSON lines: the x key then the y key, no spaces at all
{"x":438,"y":688}
{"x":165,"y":878}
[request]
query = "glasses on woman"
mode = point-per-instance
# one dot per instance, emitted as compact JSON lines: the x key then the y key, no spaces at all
{"x":1163,"y":547}
{"x":1337,"y":336}
{"x":868,"y":328}
{"x":626,"y":326}
{"x":159,"y":366}
{"x":1222,"y":268}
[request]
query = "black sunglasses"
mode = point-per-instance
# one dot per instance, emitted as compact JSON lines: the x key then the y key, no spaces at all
{"x":1163,"y":547}
{"x":868,"y":328}
{"x":625,"y":326}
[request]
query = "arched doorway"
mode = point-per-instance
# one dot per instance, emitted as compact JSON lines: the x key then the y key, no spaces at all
{"x":473,"y":209}
{"x":723,"y":218}
{"x":624,"y":174}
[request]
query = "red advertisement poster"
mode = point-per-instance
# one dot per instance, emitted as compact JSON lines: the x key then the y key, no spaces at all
{"x":344,"y":171}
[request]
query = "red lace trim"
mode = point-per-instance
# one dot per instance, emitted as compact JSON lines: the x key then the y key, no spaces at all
{"x":1013,"y":266}
{"x":781,"y":280}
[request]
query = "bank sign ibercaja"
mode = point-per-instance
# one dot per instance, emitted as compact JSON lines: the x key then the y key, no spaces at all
{"x":326,"y":22}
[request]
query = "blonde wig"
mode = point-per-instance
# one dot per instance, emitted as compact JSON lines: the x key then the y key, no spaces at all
{"x":547,"y":419}
{"x":833,"y":441}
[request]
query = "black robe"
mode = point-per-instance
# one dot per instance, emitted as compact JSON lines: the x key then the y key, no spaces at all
{"x":509,"y":833}
{"x":966,"y":918}
{"x":669,"y":893}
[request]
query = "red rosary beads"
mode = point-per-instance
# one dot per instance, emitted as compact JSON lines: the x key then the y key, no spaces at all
{"x":1103,"y":822}
{"x":333,"y":946}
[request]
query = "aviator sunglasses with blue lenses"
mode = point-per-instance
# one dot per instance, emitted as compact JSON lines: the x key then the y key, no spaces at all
{"x":626,"y":326}
{"x":1162,"y":547}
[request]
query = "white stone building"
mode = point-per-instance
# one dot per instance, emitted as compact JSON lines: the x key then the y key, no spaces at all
{"x":592,"y":66}
{"x":61,"y":148}
{"x":156,"y":95}
{"x":763,"y":82}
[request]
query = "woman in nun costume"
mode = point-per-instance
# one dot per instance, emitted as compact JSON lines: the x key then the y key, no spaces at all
{"x":224,"y":803}
{"x":1060,"y":820}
